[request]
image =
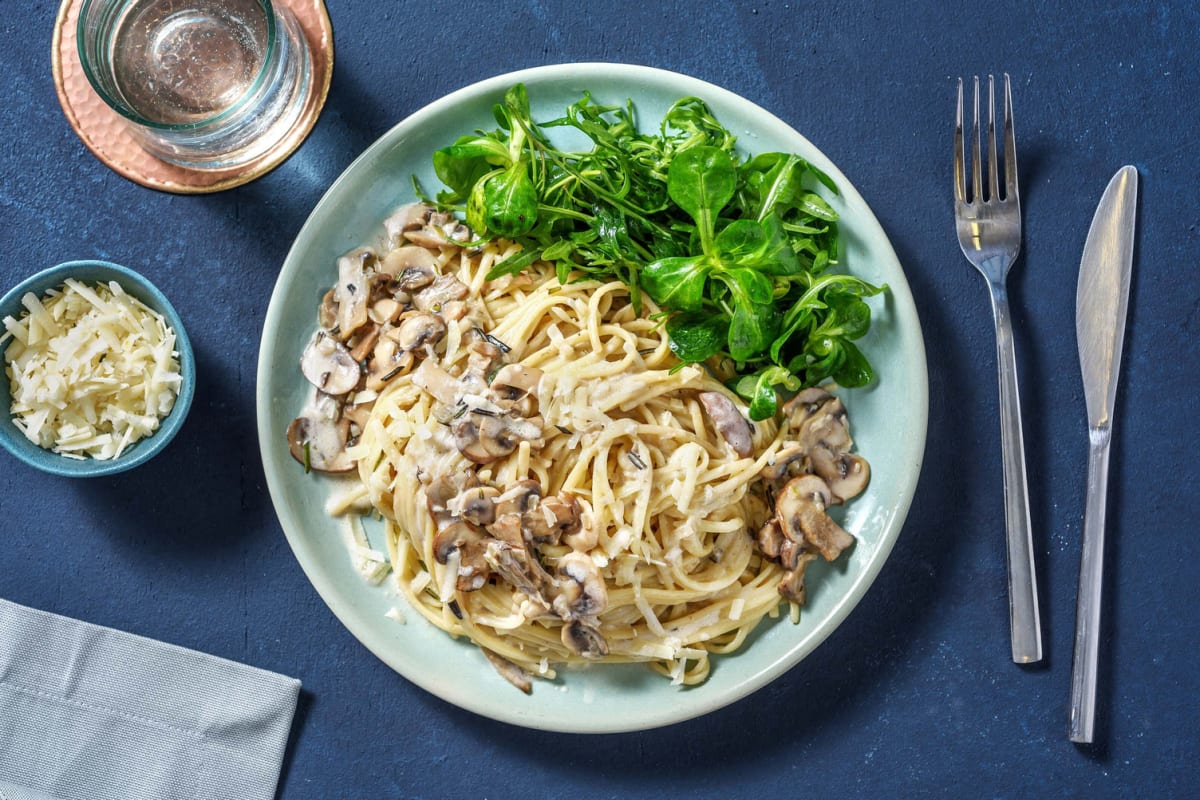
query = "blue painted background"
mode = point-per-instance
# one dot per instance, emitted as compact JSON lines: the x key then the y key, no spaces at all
{"x":915,"y":695}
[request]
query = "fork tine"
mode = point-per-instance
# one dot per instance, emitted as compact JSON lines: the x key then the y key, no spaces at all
{"x":960,"y":152}
{"x":1010,"y":145}
{"x":993,"y":168}
{"x":976,"y":169}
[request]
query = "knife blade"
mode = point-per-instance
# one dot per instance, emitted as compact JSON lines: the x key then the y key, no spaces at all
{"x":1101,"y":303}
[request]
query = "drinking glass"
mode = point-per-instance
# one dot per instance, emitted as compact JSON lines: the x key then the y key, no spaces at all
{"x":205,"y":84}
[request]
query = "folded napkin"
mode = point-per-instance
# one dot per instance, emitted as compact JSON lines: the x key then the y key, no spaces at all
{"x":90,"y":713}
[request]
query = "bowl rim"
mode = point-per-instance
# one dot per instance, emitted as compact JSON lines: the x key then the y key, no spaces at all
{"x":143,"y":289}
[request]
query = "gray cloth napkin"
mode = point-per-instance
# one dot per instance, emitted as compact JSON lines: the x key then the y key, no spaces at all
{"x":91,"y":713}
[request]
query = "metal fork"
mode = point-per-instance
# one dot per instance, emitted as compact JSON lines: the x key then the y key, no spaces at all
{"x":989,"y":232}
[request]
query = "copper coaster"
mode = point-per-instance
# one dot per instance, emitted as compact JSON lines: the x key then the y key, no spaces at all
{"x":106,"y":133}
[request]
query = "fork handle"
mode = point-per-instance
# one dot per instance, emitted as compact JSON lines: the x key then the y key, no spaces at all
{"x":1087,"y":609}
{"x":1024,"y":620}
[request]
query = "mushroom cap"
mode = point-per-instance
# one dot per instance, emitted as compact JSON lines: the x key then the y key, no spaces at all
{"x":800,"y":509}
{"x":582,"y":592}
{"x":846,"y":474}
{"x":329,"y":366}
{"x":320,"y":444}
{"x":420,"y":330}
{"x":584,"y":639}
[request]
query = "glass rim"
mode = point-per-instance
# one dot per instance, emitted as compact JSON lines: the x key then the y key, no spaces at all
{"x":114,"y":102}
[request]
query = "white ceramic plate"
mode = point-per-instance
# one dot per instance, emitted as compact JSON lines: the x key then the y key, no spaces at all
{"x":888,"y":420}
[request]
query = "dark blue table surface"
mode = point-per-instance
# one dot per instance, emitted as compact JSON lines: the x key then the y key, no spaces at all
{"x":915,"y":694}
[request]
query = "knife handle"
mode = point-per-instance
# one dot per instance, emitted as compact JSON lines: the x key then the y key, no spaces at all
{"x":1087,"y":609}
{"x":1024,"y":620}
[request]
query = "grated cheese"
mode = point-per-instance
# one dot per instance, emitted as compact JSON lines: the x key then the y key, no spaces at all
{"x":91,"y":370}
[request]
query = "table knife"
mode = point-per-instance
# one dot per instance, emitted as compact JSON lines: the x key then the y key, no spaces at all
{"x":1100,"y":304}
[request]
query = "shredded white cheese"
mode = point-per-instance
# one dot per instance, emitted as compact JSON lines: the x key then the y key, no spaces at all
{"x":91,"y":370}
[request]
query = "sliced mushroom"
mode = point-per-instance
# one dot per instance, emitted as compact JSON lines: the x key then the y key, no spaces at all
{"x":385,"y":309}
{"x":484,"y":437}
{"x":509,"y":671}
{"x":444,"y":387}
{"x":582,"y":592}
{"x":477,"y":505}
{"x":352,"y":290}
{"x":388,"y":361}
{"x":328,"y":365}
{"x":412,"y":267}
{"x":522,"y":496}
{"x":520,"y":568}
{"x":404,"y":219}
{"x":364,"y":341}
{"x":789,"y":461}
{"x":515,"y":387}
{"x":317,"y":438}
{"x":440,"y":292}
{"x":770,"y":538}
{"x":791,"y":586}
{"x":800,"y":509}
{"x":804,"y":404}
{"x":452,"y":537}
{"x":584,"y":639}
{"x":825,"y":424}
{"x":467,"y":440}
{"x":846,"y":474}
{"x":327,"y":311}
{"x":420,"y":331}
{"x":471,"y":544}
{"x":729,"y":422}
{"x":555,"y":516}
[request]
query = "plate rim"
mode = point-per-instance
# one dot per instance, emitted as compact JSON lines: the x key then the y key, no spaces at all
{"x":772,"y":669}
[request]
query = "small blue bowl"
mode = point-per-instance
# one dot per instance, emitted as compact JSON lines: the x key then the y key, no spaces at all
{"x":92,"y":272}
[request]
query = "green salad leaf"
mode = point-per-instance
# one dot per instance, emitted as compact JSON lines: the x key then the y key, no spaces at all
{"x":737,"y":253}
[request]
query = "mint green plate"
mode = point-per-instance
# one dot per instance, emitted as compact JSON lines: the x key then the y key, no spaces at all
{"x":888,"y":420}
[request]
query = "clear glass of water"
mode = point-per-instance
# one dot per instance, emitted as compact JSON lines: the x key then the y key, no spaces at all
{"x":206,"y":84}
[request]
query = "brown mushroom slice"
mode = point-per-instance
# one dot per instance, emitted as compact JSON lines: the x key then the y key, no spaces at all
{"x":437,"y":294}
{"x":523,"y":496}
{"x":515,"y":387}
{"x":406,"y":218}
{"x":515,"y":675}
{"x":484,"y":437}
{"x":804,"y":405}
{"x":770,"y":539}
{"x":411,"y":266}
{"x":329,"y":366}
{"x":791,"y":586}
{"x":364,"y":341}
{"x":800,"y":509}
{"x":827,"y":426}
{"x":388,"y":361}
{"x":453,"y":536}
{"x":729,"y":422}
{"x":556,"y":516}
{"x":584,"y":639}
{"x":420,"y":331}
{"x":581,"y":589}
{"x":846,"y":474}
{"x":477,"y":505}
{"x":519,"y":567}
{"x":444,"y":387}
{"x":318,"y":441}
{"x":789,"y":461}
{"x":352,"y":290}
{"x":327,"y":311}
